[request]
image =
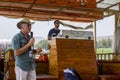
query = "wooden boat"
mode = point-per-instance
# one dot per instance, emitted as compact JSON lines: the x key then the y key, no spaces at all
{"x":64,"y":53}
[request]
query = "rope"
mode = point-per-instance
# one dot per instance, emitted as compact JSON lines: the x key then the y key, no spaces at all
{"x":76,"y":27}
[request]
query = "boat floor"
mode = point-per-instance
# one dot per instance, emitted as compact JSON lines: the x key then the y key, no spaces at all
{"x":46,"y":77}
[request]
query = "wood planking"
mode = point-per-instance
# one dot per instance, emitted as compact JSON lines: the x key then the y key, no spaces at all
{"x":110,"y":68}
{"x":75,"y":53}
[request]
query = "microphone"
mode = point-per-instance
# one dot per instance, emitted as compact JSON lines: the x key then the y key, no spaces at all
{"x":31,"y":34}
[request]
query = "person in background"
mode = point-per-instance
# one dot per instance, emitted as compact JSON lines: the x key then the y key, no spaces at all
{"x":1,"y":66}
{"x":24,"y":61}
{"x":0,"y":54}
{"x":54,"y":31}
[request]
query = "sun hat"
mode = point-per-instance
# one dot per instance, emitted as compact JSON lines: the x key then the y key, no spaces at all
{"x":24,"y":21}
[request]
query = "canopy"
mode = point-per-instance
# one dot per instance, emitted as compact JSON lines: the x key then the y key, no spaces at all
{"x":72,"y":10}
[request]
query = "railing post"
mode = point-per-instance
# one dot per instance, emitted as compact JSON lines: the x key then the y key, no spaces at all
{"x":108,"y":56}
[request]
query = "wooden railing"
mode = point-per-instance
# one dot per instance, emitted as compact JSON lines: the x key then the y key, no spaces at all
{"x":108,"y":56}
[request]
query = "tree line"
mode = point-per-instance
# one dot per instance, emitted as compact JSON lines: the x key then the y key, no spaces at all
{"x":104,"y":43}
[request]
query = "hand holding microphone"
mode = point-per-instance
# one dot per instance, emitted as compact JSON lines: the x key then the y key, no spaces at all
{"x":31,"y":41}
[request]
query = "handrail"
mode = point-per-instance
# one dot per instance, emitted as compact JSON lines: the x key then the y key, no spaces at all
{"x":108,"y":57}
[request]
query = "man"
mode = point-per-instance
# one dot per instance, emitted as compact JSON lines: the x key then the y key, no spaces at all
{"x":22,"y":42}
{"x":54,"y":31}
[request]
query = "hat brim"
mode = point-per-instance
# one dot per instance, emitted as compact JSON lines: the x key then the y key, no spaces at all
{"x":19,"y":23}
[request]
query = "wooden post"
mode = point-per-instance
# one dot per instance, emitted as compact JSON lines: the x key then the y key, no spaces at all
{"x":95,"y":36}
{"x":115,"y":48}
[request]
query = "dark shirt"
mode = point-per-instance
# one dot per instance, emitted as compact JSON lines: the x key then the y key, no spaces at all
{"x":53,"y":32}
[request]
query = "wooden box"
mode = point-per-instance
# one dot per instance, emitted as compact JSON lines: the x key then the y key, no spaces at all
{"x":72,"y":53}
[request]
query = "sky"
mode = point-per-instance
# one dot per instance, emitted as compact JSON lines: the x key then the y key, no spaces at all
{"x":105,"y":27}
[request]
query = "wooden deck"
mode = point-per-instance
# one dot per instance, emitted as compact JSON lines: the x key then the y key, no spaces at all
{"x":46,"y":77}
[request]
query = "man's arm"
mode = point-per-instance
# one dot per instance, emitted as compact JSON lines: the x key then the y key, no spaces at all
{"x":20,"y":51}
{"x":49,"y":34}
{"x":49,"y":37}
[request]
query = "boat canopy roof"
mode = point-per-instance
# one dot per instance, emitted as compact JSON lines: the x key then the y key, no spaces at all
{"x":72,"y":10}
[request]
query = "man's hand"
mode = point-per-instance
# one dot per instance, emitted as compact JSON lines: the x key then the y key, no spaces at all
{"x":39,"y":50}
{"x":31,"y":41}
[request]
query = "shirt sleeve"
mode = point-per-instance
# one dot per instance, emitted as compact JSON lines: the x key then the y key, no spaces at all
{"x":16,"y":42}
{"x":50,"y":33}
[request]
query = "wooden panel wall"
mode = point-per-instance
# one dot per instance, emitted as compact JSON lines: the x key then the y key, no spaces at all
{"x":110,"y":68}
{"x":42,"y":68}
{"x":75,"y":53}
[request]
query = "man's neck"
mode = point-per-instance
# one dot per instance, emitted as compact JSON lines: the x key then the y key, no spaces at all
{"x":24,"y":34}
{"x":56,"y":28}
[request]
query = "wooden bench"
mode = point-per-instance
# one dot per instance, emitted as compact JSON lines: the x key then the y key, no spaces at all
{"x":110,"y":70}
{"x":109,"y":77}
{"x":42,"y":69}
{"x":9,"y":65}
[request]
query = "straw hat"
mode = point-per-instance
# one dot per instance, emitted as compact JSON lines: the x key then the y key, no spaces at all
{"x":24,"y":21}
